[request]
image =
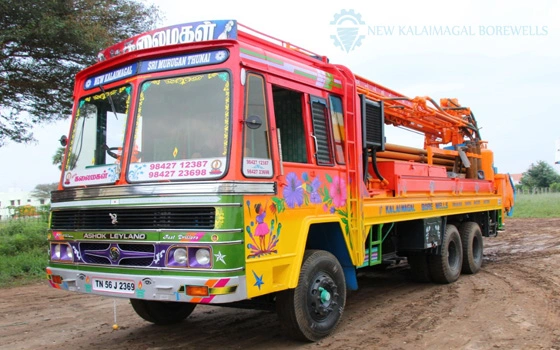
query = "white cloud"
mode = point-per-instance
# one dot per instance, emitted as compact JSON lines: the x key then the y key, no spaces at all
{"x":509,"y":81}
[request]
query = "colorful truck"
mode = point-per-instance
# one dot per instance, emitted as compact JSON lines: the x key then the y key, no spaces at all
{"x":209,"y":163}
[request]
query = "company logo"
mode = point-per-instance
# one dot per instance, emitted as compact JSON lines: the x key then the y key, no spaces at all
{"x":114,"y":253}
{"x":347,"y":30}
{"x":113,"y":218}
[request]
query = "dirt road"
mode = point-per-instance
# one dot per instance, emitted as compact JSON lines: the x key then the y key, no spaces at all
{"x":513,"y":303}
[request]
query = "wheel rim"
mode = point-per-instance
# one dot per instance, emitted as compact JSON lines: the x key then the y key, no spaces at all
{"x":322,"y":297}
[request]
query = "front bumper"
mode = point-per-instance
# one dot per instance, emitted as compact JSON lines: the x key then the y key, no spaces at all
{"x":162,"y":288}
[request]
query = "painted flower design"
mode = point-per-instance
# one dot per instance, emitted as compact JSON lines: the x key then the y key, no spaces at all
{"x":136,"y":171}
{"x":273,"y":208}
{"x":338,"y":192}
{"x":112,"y":174}
{"x":293,"y":191}
{"x":314,"y":196}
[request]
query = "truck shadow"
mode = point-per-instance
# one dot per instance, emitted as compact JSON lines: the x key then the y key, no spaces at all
{"x":228,"y":328}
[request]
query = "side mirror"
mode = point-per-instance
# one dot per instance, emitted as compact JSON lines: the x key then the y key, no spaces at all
{"x":253,"y":122}
{"x":63,"y":140}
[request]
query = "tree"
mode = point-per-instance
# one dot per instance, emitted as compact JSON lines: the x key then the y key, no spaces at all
{"x":43,"y":44}
{"x":26,"y":210}
{"x":539,"y":175}
{"x":43,"y":191}
{"x":58,"y":157}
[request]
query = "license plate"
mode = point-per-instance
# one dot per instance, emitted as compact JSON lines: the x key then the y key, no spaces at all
{"x":113,"y":285}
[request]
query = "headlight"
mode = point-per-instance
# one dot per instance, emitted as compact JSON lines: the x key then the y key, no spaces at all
{"x":180,"y":256}
{"x":185,"y":256}
{"x":203,"y":256}
{"x":200,"y":257}
{"x":176,"y":257}
{"x":62,"y":252}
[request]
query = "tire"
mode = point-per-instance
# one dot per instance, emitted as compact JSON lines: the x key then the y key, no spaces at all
{"x":162,"y":312}
{"x":419,"y":268}
{"x":471,"y":239}
{"x":446,"y":268}
{"x":314,"y":308}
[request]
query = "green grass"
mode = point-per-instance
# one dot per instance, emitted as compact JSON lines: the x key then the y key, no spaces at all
{"x":546,"y":205}
{"x":23,"y":251}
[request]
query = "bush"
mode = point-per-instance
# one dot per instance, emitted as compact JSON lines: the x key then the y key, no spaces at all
{"x":24,"y":267}
{"x":23,"y":226}
{"x":23,"y":250}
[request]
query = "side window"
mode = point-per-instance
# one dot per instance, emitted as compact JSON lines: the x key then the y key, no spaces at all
{"x":337,"y":120}
{"x":321,"y":131}
{"x":289,"y":120}
{"x":256,"y":150}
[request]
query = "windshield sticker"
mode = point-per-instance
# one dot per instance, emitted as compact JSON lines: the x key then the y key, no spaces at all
{"x":173,"y":35}
{"x":184,"y":61}
{"x":258,"y":167}
{"x":91,"y":176}
{"x":111,"y":76}
{"x":177,"y":170}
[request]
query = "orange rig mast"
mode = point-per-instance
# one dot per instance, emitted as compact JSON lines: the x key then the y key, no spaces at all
{"x":441,"y":124}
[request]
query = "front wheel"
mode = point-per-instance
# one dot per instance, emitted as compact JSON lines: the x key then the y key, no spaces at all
{"x":314,"y":308}
{"x":162,"y":312}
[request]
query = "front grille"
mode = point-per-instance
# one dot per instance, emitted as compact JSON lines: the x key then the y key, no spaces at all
{"x":93,"y":246}
{"x":148,"y":248}
{"x":93,"y":259}
{"x":134,"y":218}
{"x":129,"y":254}
{"x":136,"y":262}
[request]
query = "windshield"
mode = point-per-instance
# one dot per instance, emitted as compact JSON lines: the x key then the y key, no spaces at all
{"x":182,"y":128}
{"x":97,"y":138}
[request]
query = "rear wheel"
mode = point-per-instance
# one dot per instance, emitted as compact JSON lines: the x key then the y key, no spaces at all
{"x":446,"y":268}
{"x":471,"y":239}
{"x":314,"y":308}
{"x":162,"y":312}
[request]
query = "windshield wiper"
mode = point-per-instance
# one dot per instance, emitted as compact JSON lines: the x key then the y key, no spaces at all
{"x":110,"y":101}
{"x":108,"y":149}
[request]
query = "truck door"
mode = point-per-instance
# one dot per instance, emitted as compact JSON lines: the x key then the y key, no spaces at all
{"x":313,"y":172}
{"x":257,"y":162}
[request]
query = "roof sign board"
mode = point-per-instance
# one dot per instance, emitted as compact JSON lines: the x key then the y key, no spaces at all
{"x":172,"y":35}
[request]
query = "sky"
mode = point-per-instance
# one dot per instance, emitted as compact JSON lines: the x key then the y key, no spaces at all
{"x":500,"y":58}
